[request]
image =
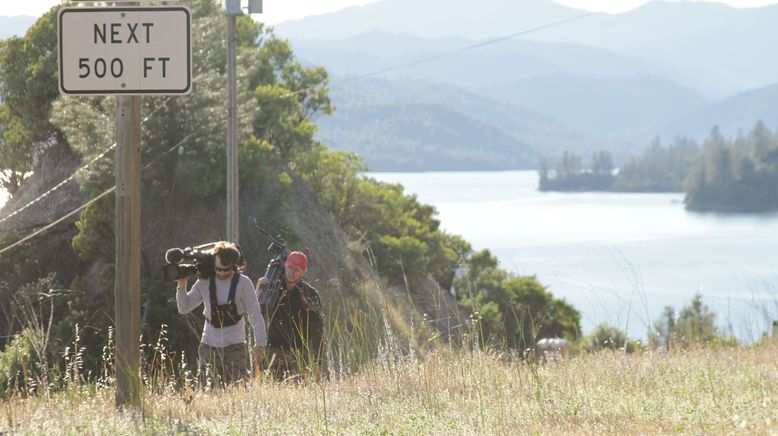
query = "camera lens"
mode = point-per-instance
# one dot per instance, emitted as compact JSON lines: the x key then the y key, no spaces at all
{"x":174,"y":255}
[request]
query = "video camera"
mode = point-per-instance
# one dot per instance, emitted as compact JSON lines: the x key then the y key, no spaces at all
{"x":184,"y":262}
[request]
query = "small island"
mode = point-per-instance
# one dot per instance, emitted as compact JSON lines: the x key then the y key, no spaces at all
{"x":737,"y":175}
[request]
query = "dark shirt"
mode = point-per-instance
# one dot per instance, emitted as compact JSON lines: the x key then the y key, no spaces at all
{"x":297,"y":322}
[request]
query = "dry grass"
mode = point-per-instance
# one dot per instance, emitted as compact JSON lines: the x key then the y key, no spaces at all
{"x":727,"y":390}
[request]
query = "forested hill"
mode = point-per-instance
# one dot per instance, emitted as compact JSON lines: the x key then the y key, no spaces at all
{"x":417,"y":125}
{"x":424,"y":138}
{"x":378,"y":256}
{"x":550,"y":97}
{"x":600,"y":82}
{"x":451,"y":127}
{"x":615,"y":80}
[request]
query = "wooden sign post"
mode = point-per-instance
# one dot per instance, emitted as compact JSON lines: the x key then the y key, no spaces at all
{"x":128,"y":240}
{"x":127,"y":52}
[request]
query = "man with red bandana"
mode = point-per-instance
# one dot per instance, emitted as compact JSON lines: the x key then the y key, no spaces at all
{"x":295,"y":336}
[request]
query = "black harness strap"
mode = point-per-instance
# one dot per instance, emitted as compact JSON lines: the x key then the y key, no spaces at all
{"x":230,"y":298}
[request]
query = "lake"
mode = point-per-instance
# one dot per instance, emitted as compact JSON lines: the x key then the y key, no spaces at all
{"x":618,"y":258}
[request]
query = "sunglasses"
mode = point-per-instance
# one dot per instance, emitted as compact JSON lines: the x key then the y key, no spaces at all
{"x":229,"y":268}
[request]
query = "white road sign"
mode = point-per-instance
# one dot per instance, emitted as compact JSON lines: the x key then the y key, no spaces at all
{"x":125,"y":50}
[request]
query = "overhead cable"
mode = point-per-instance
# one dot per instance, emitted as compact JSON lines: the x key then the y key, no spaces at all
{"x":350,"y":79}
{"x":88,"y":203}
{"x":469,"y":47}
{"x":78,"y":170}
{"x":451,"y":52}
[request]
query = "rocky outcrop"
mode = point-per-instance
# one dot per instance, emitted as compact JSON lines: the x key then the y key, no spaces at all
{"x":56,"y":164}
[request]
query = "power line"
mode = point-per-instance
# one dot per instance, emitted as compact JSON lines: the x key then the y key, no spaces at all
{"x":350,"y":79}
{"x":469,"y":47}
{"x":73,"y":175}
{"x":106,"y":192}
{"x":58,"y":185}
{"x":88,"y":203}
{"x":451,"y":52}
{"x":165,"y":100}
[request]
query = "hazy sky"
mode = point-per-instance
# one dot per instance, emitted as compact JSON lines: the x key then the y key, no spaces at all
{"x":277,"y":11}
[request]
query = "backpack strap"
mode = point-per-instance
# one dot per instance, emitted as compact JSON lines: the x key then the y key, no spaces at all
{"x":303,"y":300}
{"x":309,"y":297}
{"x":233,"y":287}
{"x":212,"y":291}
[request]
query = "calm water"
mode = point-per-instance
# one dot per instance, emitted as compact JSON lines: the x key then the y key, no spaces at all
{"x":618,"y":258}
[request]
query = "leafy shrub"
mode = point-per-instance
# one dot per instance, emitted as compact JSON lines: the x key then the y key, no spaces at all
{"x":19,"y":365}
{"x":606,"y":337}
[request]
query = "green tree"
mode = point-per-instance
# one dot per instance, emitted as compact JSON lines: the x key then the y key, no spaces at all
{"x":602,"y":163}
{"x":694,"y":324}
{"x":543,"y":174}
{"x":28,"y":86}
{"x":515,"y":310}
{"x":735,"y":175}
{"x":660,"y":169}
{"x":662,"y":333}
{"x":607,"y":337}
{"x":532,"y":313}
{"x":403,"y":233}
{"x":182,"y":201}
{"x":188,"y":183}
{"x":761,"y":139}
{"x":476,"y":289}
{"x":569,"y":166}
{"x":571,"y":176}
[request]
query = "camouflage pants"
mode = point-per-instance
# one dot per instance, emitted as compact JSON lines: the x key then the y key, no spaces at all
{"x":222,"y":365}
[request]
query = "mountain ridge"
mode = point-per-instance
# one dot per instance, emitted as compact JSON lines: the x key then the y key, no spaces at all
{"x":723,"y":48}
{"x":734,"y":115}
{"x":382,"y":13}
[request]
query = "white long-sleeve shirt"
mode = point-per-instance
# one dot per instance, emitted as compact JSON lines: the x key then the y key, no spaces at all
{"x":245,"y":300}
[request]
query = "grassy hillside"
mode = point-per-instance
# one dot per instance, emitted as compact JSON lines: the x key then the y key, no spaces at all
{"x":701,"y":391}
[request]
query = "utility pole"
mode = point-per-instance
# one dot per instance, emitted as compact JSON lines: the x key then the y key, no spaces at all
{"x":233,"y":196}
{"x":233,"y":10}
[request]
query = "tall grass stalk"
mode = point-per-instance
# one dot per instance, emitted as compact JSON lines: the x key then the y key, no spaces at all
{"x":701,"y":390}
{"x":374,"y":385}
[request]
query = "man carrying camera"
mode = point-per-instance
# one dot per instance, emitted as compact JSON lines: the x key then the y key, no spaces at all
{"x":295,"y":322}
{"x":228,"y":295}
